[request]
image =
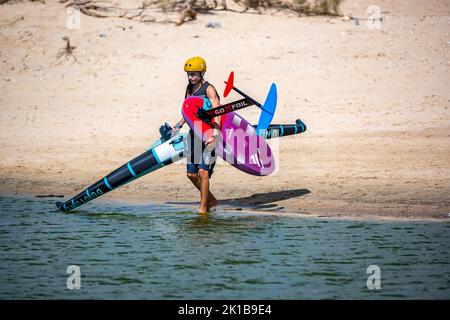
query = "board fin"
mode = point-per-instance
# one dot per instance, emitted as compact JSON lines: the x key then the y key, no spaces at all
{"x":229,"y":84}
{"x":268,"y":110}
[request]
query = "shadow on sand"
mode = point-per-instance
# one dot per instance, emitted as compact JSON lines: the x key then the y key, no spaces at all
{"x":258,"y":201}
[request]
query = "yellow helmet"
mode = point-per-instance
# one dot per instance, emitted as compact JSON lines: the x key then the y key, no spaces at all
{"x":195,"y":64}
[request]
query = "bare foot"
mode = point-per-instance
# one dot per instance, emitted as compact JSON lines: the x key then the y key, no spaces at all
{"x":202,"y":210}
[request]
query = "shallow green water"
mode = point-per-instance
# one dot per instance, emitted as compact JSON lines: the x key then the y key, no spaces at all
{"x":151,"y":252}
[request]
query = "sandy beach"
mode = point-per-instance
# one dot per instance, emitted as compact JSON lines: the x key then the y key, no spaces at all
{"x":375,"y":101}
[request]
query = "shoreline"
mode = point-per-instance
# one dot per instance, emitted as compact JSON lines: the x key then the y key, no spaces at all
{"x":245,"y":210}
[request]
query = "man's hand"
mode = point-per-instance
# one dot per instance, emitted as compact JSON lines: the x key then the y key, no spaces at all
{"x":211,"y":142}
{"x":175,"y":130}
{"x":177,"y":126}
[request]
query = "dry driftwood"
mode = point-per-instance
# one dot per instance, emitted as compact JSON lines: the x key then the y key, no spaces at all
{"x":66,"y":52}
{"x":189,"y":8}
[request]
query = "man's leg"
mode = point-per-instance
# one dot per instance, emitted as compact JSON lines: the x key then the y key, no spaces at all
{"x":195,"y":179}
{"x":204,"y":190}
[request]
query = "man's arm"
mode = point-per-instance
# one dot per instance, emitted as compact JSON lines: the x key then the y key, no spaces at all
{"x":179,"y":124}
{"x":215,"y":102}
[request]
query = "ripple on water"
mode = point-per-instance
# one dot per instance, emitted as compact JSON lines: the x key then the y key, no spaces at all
{"x":162,"y":252}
